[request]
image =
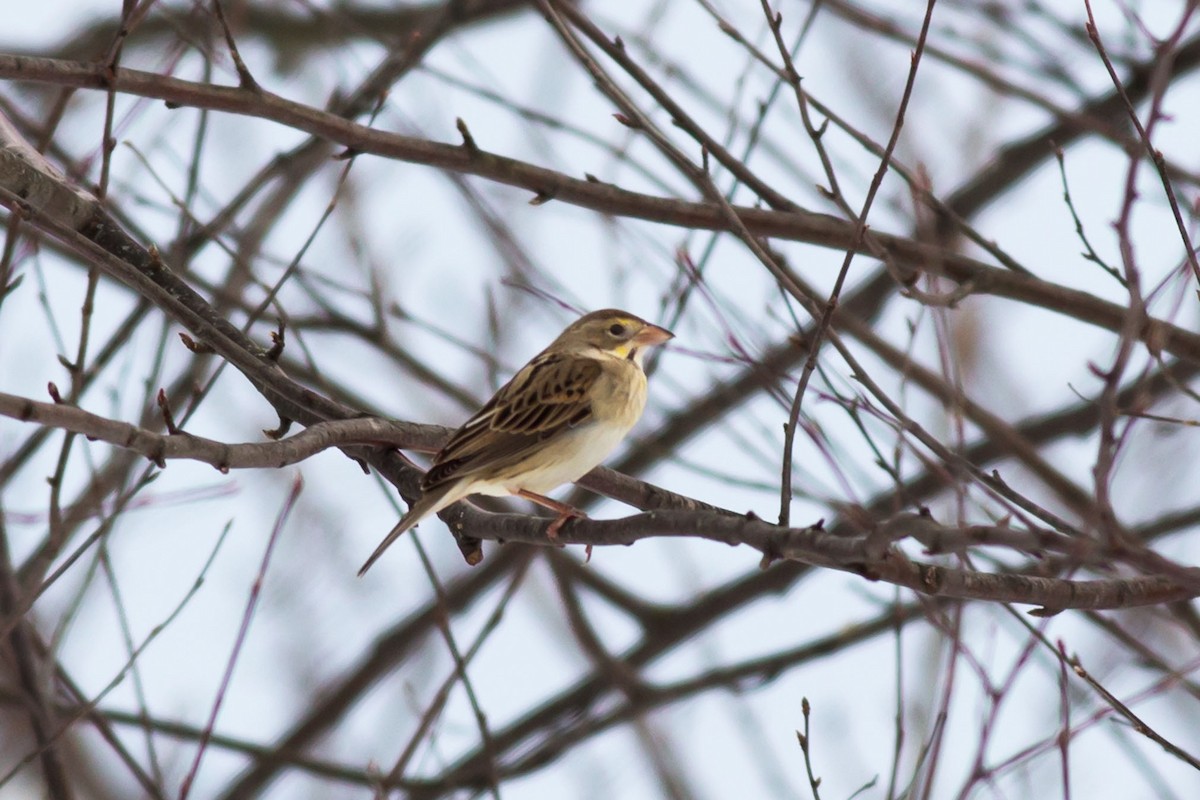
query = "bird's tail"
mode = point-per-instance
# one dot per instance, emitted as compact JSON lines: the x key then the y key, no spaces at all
{"x":429,"y":503}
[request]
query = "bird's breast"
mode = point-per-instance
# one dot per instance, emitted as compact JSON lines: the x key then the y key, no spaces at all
{"x":620,"y":394}
{"x":617,"y":404}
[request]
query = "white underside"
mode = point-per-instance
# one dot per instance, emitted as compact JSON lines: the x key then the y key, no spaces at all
{"x":567,"y":460}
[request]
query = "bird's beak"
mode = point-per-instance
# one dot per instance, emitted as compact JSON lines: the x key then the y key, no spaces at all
{"x":652,"y":335}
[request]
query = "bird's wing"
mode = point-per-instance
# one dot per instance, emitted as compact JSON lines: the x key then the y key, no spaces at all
{"x":549,"y":395}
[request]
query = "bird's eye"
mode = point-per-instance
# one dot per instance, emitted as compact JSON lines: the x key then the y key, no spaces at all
{"x":616,"y":329}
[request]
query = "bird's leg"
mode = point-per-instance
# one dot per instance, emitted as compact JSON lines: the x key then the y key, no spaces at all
{"x":565,"y":512}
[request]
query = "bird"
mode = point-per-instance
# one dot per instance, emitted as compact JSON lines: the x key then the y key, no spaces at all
{"x":561,"y":415}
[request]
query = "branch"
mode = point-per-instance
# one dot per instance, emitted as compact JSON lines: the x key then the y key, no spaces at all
{"x":817,"y":229}
{"x":863,"y":555}
{"x":160,"y":448}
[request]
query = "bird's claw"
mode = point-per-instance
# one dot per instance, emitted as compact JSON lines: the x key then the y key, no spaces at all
{"x":562,"y":519}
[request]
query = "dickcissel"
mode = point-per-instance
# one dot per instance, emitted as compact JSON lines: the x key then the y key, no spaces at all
{"x":558,"y":417}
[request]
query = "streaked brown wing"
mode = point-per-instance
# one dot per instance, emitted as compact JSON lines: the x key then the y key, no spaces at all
{"x":547,"y":396}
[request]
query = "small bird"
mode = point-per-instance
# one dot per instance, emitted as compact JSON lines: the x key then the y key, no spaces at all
{"x":559,"y":416}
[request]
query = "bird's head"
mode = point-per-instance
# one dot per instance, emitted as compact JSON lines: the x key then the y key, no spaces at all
{"x":613,"y":332}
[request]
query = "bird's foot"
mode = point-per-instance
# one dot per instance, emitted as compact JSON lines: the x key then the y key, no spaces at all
{"x":564,"y":516}
{"x":565,"y":512}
